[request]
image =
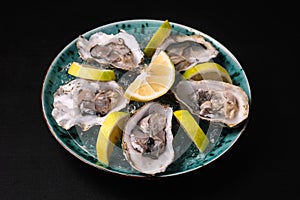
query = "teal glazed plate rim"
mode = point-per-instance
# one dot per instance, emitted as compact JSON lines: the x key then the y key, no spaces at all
{"x":187,"y":157}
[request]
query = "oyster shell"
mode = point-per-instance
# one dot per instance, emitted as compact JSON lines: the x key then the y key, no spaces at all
{"x":120,"y":50}
{"x":86,"y":103}
{"x":187,"y":51}
{"x":214,"y":101}
{"x":147,"y":139}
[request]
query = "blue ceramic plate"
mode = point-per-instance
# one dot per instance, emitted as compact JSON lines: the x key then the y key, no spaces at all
{"x":187,"y":156}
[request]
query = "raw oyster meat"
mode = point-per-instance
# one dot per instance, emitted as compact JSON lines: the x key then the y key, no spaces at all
{"x":187,"y":51}
{"x":86,"y":103}
{"x":147,"y":139}
{"x":215,"y":101}
{"x":120,"y":50}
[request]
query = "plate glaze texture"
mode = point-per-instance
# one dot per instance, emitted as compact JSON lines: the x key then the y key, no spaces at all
{"x":187,"y":156}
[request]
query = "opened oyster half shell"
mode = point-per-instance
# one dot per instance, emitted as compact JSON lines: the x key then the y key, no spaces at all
{"x":215,"y":101}
{"x":187,"y":51}
{"x":147,"y":139}
{"x":120,"y":50}
{"x":86,"y":103}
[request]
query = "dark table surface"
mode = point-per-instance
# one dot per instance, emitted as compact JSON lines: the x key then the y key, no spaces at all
{"x":261,"y":164}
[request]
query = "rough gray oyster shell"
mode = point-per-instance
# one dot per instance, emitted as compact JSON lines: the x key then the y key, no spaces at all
{"x":86,"y":103}
{"x":215,"y":101}
{"x":147,"y":139}
{"x":120,"y":50}
{"x":187,"y":51}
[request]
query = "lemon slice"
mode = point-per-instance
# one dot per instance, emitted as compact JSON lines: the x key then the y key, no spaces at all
{"x":90,"y":72}
{"x":154,"y":81}
{"x":208,"y":70}
{"x":192,"y":128}
{"x":158,"y":37}
{"x":109,"y":134}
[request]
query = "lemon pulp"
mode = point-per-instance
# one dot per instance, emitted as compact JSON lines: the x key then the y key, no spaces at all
{"x":156,"y":79}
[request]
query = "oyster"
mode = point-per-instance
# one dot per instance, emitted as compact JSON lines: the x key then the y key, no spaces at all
{"x":187,"y":51}
{"x":214,"y":101}
{"x":120,"y":50}
{"x":86,"y":103}
{"x":147,"y":139}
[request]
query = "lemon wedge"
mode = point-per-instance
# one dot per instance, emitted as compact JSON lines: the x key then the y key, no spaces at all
{"x":154,"y":81}
{"x":90,"y":72}
{"x":158,"y":37}
{"x":192,"y":128}
{"x":208,"y":70}
{"x":109,"y":134}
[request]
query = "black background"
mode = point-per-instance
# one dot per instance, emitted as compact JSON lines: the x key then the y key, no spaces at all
{"x":262,"y":164}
